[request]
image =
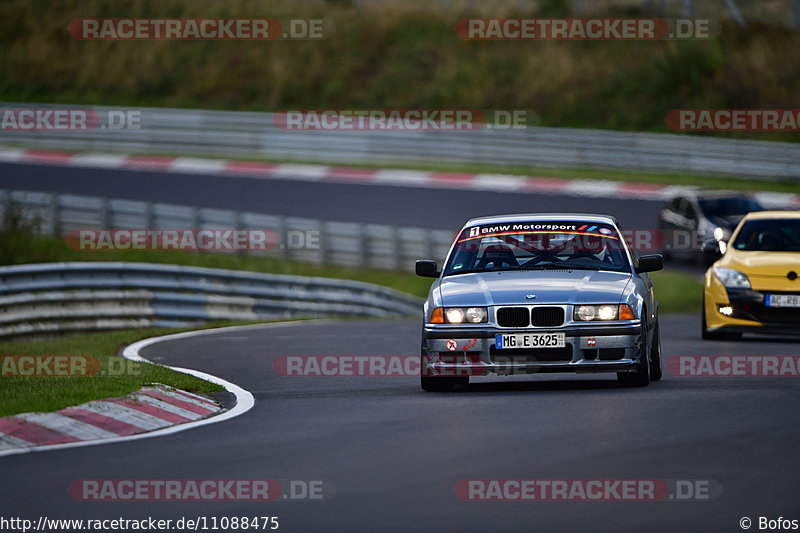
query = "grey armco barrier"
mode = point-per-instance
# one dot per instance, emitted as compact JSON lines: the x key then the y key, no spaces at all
{"x":238,"y":134}
{"x":308,"y":240}
{"x":80,"y":296}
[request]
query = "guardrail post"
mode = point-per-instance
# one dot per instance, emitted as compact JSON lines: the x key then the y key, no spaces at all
{"x":105,"y":213}
{"x":323,"y":245}
{"x":395,"y":247}
{"x":280,"y":229}
{"x":363,"y":246}
{"x":55,"y":214}
{"x":5,"y":198}
{"x":239,"y":223}
{"x":197,"y":221}
{"x":148,"y":215}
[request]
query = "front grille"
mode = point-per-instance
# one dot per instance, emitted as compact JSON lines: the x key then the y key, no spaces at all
{"x":513,"y":317}
{"x":749,"y":305}
{"x":459,"y":357}
{"x":604,"y":354}
{"x":611,"y":354}
{"x":531,"y":355}
{"x":770,"y":315}
{"x":547,"y":316}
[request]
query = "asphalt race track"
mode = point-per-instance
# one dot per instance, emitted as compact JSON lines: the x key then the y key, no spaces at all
{"x":431,"y":208}
{"x":393,"y":453}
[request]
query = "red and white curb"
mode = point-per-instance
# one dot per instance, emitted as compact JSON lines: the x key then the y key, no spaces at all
{"x":150,"y":408}
{"x":366,"y":176}
{"x":150,"y":412}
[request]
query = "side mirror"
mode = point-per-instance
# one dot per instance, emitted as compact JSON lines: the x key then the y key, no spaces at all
{"x":650,"y":263}
{"x":427,"y":269}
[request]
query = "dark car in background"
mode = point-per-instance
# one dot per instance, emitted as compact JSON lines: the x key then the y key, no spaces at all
{"x":692,"y":225}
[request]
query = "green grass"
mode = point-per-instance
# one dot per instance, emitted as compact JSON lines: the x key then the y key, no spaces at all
{"x":20,"y":394}
{"x":677,"y":292}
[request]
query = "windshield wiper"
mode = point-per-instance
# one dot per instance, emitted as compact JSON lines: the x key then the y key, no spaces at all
{"x":564,"y":265}
{"x":482,"y":270}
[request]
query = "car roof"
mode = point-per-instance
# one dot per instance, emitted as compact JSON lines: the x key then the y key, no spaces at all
{"x":776,"y":214}
{"x":529,"y":217}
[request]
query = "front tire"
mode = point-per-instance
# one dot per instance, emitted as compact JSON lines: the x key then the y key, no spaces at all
{"x":656,"y":370}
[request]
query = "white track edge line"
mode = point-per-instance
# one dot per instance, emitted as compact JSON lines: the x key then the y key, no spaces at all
{"x":244,"y":399}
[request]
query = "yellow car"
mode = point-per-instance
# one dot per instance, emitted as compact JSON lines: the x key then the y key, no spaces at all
{"x":754,"y":286}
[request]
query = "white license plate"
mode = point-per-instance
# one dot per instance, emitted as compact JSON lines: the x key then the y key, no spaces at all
{"x":529,"y":340}
{"x":782,"y":300}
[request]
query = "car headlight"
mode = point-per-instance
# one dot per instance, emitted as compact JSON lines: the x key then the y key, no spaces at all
{"x":719,"y":233}
{"x":586,"y":313}
{"x":732,"y":279}
{"x":459,"y":315}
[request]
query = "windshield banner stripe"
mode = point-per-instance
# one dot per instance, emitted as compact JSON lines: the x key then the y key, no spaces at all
{"x":532,"y":232}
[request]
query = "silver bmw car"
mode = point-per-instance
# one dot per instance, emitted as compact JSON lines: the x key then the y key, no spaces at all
{"x":530,"y":293}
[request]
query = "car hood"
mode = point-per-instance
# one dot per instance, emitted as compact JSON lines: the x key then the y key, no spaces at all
{"x":757,"y":263}
{"x":549,"y":286}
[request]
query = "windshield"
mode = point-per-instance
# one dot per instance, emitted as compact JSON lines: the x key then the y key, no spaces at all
{"x":726,"y":207}
{"x":538,"y":246}
{"x":774,"y":235}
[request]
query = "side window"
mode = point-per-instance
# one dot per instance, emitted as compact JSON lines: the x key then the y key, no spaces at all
{"x":691,"y":211}
{"x":630,"y":245}
{"x":686,"y":210}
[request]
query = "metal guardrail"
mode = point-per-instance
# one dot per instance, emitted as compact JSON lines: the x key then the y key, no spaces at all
{"x":373,"y":246}
{"x":232,"y":134}
{"x":62,"y":297}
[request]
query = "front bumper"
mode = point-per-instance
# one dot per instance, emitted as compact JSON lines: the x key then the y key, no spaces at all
{"x":472,"y":352}
{"x":748,"y":313}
